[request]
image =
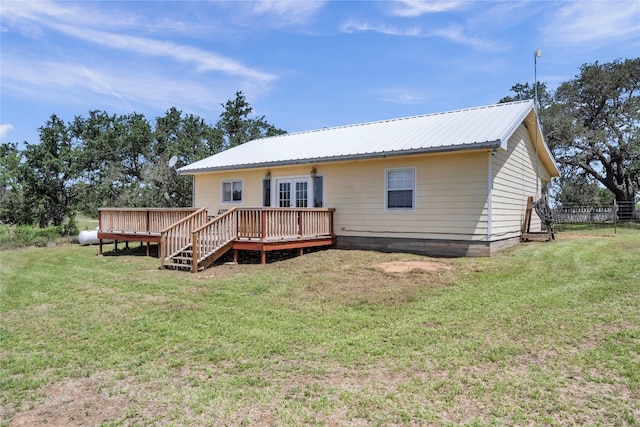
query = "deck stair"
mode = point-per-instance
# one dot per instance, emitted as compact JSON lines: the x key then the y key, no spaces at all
{"x":181,"y":260}
{"x":176,"y":247}
{"x":189,"y":239}
{"x":195,"y":243}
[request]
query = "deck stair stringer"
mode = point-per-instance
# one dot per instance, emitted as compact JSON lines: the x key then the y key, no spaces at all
{"x":176,"y":244}
{"x":212,"y":257}
{"x":214,"y":239}
{"x":181,"y":260}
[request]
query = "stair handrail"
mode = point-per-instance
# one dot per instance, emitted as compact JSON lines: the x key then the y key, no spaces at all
{"x":213,"y":235}
{"x":177,"y":236}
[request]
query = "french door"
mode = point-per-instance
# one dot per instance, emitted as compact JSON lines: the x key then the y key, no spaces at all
{"x":293,"y":192}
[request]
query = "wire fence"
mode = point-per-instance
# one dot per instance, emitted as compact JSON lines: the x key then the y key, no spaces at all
{"x":621,"y":217}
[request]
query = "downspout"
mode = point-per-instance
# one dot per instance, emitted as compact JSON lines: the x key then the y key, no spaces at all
{"x":490,"y":193}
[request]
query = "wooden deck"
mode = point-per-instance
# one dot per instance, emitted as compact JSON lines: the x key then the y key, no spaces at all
{"x":189,"y":239}
{"x":137,"y":224}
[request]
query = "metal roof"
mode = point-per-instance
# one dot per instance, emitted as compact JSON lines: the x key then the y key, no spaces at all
{"x":473,"y":128}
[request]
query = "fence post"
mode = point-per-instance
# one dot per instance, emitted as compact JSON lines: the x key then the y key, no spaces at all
{"x":615,"y":217}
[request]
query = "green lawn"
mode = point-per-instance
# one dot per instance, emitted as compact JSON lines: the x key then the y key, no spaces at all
{"x":84,"y":222}
{"x":541,"y":334}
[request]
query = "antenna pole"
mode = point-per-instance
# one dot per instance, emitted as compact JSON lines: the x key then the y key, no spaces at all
{"x":536,"y":55}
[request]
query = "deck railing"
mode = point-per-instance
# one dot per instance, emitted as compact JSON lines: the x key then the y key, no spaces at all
{"x":140,"y":220}
{"x":188,"y":229}
{"x":177,"y":236}
{"x":284,"y":223}
{"x":212,"y":236}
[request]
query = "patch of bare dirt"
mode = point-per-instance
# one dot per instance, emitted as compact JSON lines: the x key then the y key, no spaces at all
{"x":77,"y":402}
{"x":347,"y":277}
{"x":407,"y":266}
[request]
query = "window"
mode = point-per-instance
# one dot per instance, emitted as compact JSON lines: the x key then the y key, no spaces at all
{"x":400,"y":188}
{"x":231,"y":191}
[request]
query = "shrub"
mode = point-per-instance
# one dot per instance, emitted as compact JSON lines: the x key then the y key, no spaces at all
{"x":27,"y":235}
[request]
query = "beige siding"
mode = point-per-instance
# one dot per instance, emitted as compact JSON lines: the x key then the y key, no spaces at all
{"x":451,"y":195}
{"x":450,"y":198}
{"x":514,"y":179}
{"x":208,"y":189}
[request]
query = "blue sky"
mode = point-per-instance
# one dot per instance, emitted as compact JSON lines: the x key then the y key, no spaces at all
{"x":303,"y":65}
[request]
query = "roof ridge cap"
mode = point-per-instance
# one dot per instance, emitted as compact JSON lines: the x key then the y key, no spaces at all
{"x":396,"y":119}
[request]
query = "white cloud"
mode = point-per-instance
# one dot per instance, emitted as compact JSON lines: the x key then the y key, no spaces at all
{"x":203,"y":60}
{"x":286,"y":12}
{"x":413,"y":8}
{"x":399,"y":96}
{"x":5,"y":128}
{"x":354,"y":26}
{"x":594,"y":22}
{"x":80,"y":23}
{"x":455,"y":34}
{"x":38,"y":14}
{"x":72,"y":83}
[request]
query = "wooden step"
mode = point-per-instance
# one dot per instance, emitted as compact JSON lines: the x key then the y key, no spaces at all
{"x":177,"y":266}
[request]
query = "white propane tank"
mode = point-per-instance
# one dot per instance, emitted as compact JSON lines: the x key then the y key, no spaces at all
{"x":90,"y":237}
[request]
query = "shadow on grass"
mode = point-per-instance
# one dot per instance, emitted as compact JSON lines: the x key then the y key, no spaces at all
{"x":244,"y":257}
{"x":132,"y":249}
{"x":253,"y":257}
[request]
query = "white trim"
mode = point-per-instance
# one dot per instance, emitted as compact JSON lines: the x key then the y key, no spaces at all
{"x":413,"y":189}
{"x":489,"y":195}
{"x":231,"y":202}
{"x":275,"y":190}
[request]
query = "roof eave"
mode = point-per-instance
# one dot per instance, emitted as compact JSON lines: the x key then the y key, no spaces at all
{"x":363,"y":156}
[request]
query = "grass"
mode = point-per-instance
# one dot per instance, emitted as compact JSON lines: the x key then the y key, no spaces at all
{"x":84,"y":222}
{"x":541,"y":334}
{"x":17,"y":236}
{"x":603,"y":228}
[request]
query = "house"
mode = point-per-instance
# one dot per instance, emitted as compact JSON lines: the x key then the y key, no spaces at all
{"x":447,"y":184}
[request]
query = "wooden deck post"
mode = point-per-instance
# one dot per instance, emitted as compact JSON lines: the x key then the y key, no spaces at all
{"x":194,"y":252}
{"x":263,"y":257}
{"x":100,"y":228}
{"x":161,"y":248}
{"x":331,"y":221}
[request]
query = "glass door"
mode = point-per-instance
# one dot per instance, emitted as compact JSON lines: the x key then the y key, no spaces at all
{"x":293,"y":193}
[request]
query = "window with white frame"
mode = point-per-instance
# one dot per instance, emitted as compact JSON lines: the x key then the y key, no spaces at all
{"x":400,"y":188}
{"x":232,"y":191}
